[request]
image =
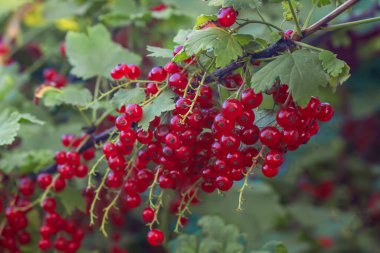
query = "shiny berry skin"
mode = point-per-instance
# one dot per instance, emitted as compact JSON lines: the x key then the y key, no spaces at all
{"x":132,"y":200}
{"x":109,"y":149}
{"x":24,"y":237}
{"x":182,"y":106}
{"x":250,"y":153}
{"x":290,"y":136}
{"x":114,"y":180}
{"x":81,"y":171}
{"x":287,"y":117}
{"x":325,"y":112}
{"x":235,"y":159}
{"x":123,"y":122}
{"x":227,"y":16}
{"x":151,"y":88}
{"x":66,"y":171}
{"x":171,"y":67}
{"x":49,"y":74}
{"x":144,"y":137}
{"x":311,"y":108}
{"x":270,"y":136}
{"x":177,"y":49}
{"x":134,"y":71}
{"x":157,"y":74}
{"x":246,"y":119}
{"x":59,"y":184}
{"x":44,"y":180}
{"x":44,"y":244}
{"x":222,"y":124}
{"x":134,"y":112}
{"x":269,"y":171}
{"x":49,"y":205}
{"x":155,"y":237}
{"x":249,"y":135}
{"x":117,"y":72}
{"x":88,"y":154}
{"x":60,"y":157}
{"x":172,"y":140}
{"x":178,"y":80}
{"x":148,"y":214}
{"x":26,"y":187}
{"x":208,"y":187}
{"x":250,"y":99}
{"x":232,"y":108}
{"x":73,"y":158}
{"x":223,"y":183}
{"x":127,"y":137}
{"x":274,"y":158}
{"x":230,"y":142}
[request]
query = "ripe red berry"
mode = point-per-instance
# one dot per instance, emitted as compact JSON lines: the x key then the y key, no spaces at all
{"x":270,"y":136}
{"x":127,"y":137}
{"x":223,"y":183}
{"x":59,"y":184}
{"x":250,"y":99}
{"x":109,"y":149}
{"x":227,"y":16}
{"x":114,"y":180}
{"x":26,"y":187}
{"x":178,"y":81}
{"x":171,"y":67}
{"x":88,"y":154}
{"x":60,"y":157}
{"x":172,"y":140}
{"x":44,"y":180}
{"x":151,"y":88}
{"x":148,"y":214}
{"x":134,"y":71}
{"x":325,"y":112}
{"x":49,"y":205}
{"x":134,"y":112}
{"x":155,"y":237}
{"x":289,"y":136}
{"x":157,"y":74}
{"x":232,"y":108}
{"x":132,"y":200}
{"x":81,"y":171}
{"x":269,"y":171}
{"x":287,"y":117}
{"x":73,"y":158}
{"x":44,"y":244}
{"x":123,"y":123}
{"x":274,"y":158}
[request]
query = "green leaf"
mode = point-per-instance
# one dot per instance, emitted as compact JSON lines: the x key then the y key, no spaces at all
{"x":70,"y":95}
{"x":57,"y":9}
{"x":287,"y":13}
{"x":8,"y":6}
{"x":159,"y":52}
{"x":301,"y":70}
{"x":244,"y":39}
{"x":26,"y":162}
{"x":128,"y":96}
{"x":180,"y":56}
{"x":10,"y":80}
{"x":163,"y":103}
{"x":71,"y":199}
{"x":275,"y":247}
{"x":10,"y":125}
{"x":180,"y":38}
{"x":184,"y":244}
{"x":321,"y":3}
{"x":260,"y":219}
{"x":203,"y":19}
{"x":237,"y":4}
{"x":95,"y":54}
{"x":225,"y":46}
{"x":338,"y":70}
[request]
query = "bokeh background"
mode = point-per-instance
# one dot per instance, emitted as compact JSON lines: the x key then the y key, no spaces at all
{"x":327,"y":197}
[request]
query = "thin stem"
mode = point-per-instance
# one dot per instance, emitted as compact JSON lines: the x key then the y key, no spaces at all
{"x":309,"y":46}
{"x":96,"y":197}
{"x":92,"y":171}
{"x":350,"y":24}
{"x":257,"y":22}
{"x":96,"y":92}
{"x":262,"y":17}
{"x":105,"y":214}
{"x":298,"y":27}
{"x":154,"y":96}
{"x":326,"y":19}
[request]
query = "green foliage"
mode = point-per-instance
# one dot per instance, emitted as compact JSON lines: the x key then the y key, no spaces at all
{"x":95,"y":54}
{"x":262,"y":217}
{"x":272,"y":247}
{"x":163,"y":103}
{"x":202,"y":19}
{"x":26,"y":162}
{"x":10,"y":125}
{"x":70,"y":95}
{"x":225,"y":46}
{"x":287,"y":13}
{"x":10,"y":79}
{"x":128,"y":96}
{"x":159,"y":52}
{"x":57,"y":9}
{"x":301,"y":70}
{"x":337,"y":70}
{"x":180,"y":38}
{"x":237,"y":4}
{"x":71,"y":199}
{"x":216,"y":237}
{"x":321,"y":3}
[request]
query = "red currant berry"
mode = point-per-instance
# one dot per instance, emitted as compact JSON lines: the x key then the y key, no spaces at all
{"x":171,"y":67}
{"x":134,"y":71}
{"x":227,"y":16}
{"x":44,"y":244}
{"x":289,"y":136}
{"x":270,"y":136}
{"x":123,"y":123}
{"x":155,"y":237}
{"x":269,"y":171}
{"x":49,"y":205}
{"x":132,"y":200}
{"x":178,"y":80}
{"x":223,"y":183}
{"x":44,"y":180}
{"x":157,"y":74}
{"x":232,"y":108}
{"x":134,"y":112}
{"x":274,"y":158}
{"x":325,"y":112}
{"x":250,"y":99}
{"x":287,"y":117}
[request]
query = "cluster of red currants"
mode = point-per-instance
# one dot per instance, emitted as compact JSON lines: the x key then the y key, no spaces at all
{"x":54,"y":79}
